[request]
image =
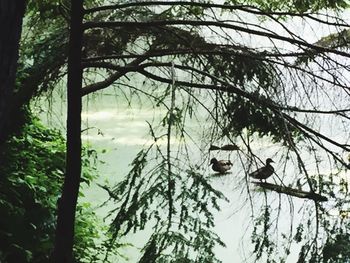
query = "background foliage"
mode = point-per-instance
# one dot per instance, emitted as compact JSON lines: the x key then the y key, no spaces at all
{"x":32,"y":170}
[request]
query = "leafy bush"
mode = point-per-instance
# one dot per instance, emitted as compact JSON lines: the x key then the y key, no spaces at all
{"x":31,"y":174}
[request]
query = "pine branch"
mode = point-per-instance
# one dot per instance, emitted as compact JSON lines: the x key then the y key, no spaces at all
{"x":221,"y":50}
{"x":155,"y":23}
{"x":245,"y":8}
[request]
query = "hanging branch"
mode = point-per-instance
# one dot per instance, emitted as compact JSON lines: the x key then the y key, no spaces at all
{"x":170,"y":122}
{"x":157,"y":23}
{"x":245,"y":8}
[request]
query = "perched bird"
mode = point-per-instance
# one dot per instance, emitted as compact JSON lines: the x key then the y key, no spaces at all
{"x":263,"y":172}
{"x":221,"y":166}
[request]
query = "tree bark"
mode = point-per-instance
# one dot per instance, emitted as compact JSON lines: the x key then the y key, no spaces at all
{"x":11,"y":17}
{"x":67,"y":204}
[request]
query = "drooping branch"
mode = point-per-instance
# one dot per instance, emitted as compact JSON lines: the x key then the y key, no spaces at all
{"x":141,"y":67}
{"x":245,"y":8}
{"x":345,"y":147}
{"x":164,"y":3}
{"x":170,"y":179}
{"x":231,"y":89}
{"x":111,"y":79}
{"x":216,"y":49}
{"x":96,"y":62}
{"x":136,"y":68}
{"x":239,"y":91}
{"x":155,"y":23}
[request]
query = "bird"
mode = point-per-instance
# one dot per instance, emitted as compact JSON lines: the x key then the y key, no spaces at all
{"x":263,"y":172}
{"x":221,"y":166}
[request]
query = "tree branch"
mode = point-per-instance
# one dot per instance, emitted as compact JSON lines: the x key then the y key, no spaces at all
{"x":345,"y":147}
{"x":241,"y":92}
{"x":292,"y":192}
{"x":215,"y":50}
{"x":111,"y":79}
{"x":108,"y":24}
{"x":245,"y":8}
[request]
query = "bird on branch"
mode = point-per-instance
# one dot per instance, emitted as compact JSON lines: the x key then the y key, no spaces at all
{"x":264,"y":172}
{"x":221,"y":166}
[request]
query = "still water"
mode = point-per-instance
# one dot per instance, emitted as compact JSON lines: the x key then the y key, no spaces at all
{"x":125,"y":131}
{"x":118,"y":131}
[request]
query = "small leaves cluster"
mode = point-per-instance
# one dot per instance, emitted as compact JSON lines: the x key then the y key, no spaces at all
{"x":31,"y":175}
{"x":336,"y":249}
{"x":242,"y":114}
{"x":337,"y":40}
{"x":43,"y":61}
{"x":261,"y":236}
{"x":242,"y":67}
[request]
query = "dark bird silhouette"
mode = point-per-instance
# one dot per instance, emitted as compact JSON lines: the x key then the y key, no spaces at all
{"x":263,"y":172}
{"x":221,"y":166}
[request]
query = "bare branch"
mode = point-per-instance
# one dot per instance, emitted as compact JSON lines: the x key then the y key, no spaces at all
{"x":111,"y":79}
{"x":292,"y":192}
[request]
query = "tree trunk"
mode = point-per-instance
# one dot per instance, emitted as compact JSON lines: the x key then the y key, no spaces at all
{"x":67,"y":204}
{"x":11,"y":17}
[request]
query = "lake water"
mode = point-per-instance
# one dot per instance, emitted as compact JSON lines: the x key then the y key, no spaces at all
{"x":125,"y":132}
{"x":119,"y":131}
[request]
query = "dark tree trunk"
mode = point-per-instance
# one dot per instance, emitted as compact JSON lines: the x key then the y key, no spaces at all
{"x":11,"y":17}
{"x":67,"y":204}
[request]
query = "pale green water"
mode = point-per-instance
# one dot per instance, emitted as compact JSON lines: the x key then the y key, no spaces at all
{"x":125,"y":133}
{"x":122,"y":132}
